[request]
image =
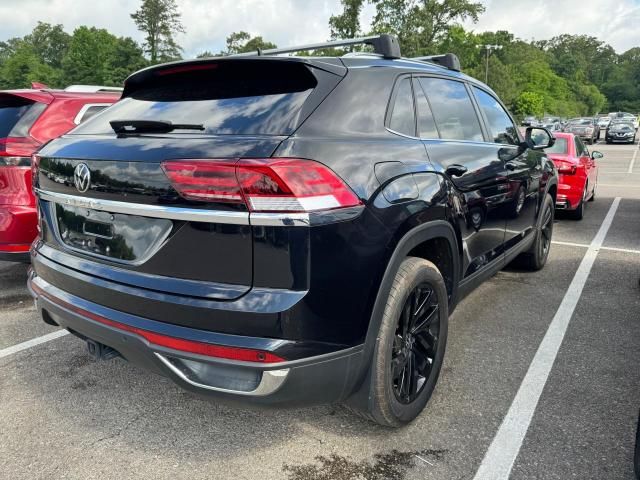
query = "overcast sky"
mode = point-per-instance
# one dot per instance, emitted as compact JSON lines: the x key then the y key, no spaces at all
{"x":290,"y":22}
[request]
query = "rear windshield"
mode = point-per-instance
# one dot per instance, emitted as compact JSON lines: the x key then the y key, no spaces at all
{"x":228,"y":97}
{"x":17,"y":114}
{"x":559,"y":147}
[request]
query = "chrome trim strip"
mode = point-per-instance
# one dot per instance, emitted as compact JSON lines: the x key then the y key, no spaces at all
{"x":309,"y":219}
{"x":155,"y":211}
{"x":271,"y":380}
{"x":209,"y":216}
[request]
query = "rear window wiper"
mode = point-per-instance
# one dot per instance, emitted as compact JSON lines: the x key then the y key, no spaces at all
{"x":150,"y":126}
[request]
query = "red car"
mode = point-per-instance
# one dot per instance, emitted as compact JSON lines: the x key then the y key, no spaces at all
{"x":578,"y":173}
{"x":28,"y":119}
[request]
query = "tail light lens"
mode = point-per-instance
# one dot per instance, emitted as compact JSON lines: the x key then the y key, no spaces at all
{"x":264,"y":185}
{"x":567,"y":169}
{"x":16,"y":151}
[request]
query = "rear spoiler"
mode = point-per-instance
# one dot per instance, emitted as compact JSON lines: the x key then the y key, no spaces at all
{"x":33,"y":95}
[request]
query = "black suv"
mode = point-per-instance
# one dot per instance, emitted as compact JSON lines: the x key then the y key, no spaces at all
{"x":288,"y":230}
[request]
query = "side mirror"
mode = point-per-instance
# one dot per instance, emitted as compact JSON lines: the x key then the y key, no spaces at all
{"x":596,"y":155}
{"x":538,"y":138}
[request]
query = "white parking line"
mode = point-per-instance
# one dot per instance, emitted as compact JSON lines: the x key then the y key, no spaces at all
{"x":584,"y":245}
{"x":5,"y":352}
{"x":501,"y":455}
{"x":633,"y":160}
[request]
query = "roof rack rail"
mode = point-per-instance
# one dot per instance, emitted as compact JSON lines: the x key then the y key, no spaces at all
{"x":447,"y":60}
{"x":91,"y":89}
{"x":385,"y":45}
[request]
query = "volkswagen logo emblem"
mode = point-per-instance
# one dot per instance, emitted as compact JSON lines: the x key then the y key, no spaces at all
{"x":82,"y":177}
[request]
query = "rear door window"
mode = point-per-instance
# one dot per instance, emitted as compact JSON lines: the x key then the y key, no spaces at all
{"x":581,"y":148}
{"x":426,"y":124}
{"x":230,"y":97}
{"x":452,"y":109}
{"x":403,"y":119}
{"x":17,"y":115}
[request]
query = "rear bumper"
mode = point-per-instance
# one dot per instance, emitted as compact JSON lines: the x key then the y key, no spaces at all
{"x":318,"y":379}
{"x":21,"y":257}
{"x":569,"y":195}
{"x":18,"y":227}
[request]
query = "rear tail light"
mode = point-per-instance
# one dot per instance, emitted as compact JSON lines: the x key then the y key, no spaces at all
{"x":567,"y":169}
{"x":16,"y":151}
{"x":263,"y":185}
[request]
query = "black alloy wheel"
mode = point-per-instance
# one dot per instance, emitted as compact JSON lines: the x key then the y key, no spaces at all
{"x":415,"y":343}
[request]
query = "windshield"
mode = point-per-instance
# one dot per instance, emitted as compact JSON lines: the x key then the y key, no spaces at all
{"x":621,"y":126}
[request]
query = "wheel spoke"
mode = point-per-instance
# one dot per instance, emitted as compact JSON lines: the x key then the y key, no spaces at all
{"x":427,"y":321}
{"x":423,"y":304}
{"x":426,"y":342}
{"x":397,"y":366}
{"x":408,"y":376}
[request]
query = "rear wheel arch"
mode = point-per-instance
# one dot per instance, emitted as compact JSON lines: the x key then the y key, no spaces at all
{"x":415,"y":242}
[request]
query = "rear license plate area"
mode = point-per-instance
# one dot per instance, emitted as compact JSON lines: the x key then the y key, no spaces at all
{"x":98,"y":229}
{"x":119,"y":237}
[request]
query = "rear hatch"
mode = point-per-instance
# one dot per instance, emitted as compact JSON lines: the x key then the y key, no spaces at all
{"x":134,"y":201}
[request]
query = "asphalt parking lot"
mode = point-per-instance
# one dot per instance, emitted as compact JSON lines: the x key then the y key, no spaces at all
{"x":64,"y":416}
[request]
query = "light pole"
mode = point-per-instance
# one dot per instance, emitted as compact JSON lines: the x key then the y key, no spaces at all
{"x":488,"y":48}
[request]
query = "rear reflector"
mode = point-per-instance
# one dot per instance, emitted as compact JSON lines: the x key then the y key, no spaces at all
{"x":180,"y":344}
{"x":15,"y":248}
{"x":264,"y":185}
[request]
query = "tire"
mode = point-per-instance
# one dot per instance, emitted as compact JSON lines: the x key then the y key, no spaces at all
{"x":593,"y":194}
{"x":536,"y":257}
{"x":395,"y":354}
{"x":578,"y":213}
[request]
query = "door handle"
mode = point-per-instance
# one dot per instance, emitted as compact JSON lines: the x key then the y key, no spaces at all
{"x":511,"y":166}
{"x":456,"y":170}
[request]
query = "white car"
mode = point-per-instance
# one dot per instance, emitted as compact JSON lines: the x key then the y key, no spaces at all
{"x":603,"y":122}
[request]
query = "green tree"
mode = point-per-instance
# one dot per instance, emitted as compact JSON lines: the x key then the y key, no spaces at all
{"x":529,"y":103}
{"x":122,"y":60}
{"x":49,"y":43}
{"x":242,"y":42}
{"x":160,"y":21}
{"x":86,"y":60}
{"x":421,"y":24}
{"x":23,"y":66}
{"x":346,"y":24}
